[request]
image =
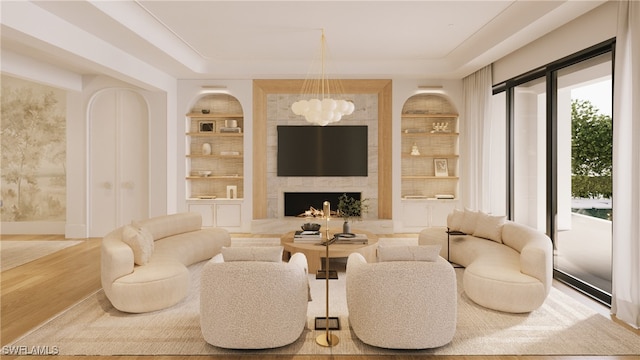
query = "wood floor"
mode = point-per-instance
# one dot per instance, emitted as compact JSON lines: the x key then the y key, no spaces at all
{"x":34,"y":292}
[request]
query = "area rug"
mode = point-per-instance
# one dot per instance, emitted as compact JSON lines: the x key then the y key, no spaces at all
{"x":562,"y":326}
{"x":16,"y":253}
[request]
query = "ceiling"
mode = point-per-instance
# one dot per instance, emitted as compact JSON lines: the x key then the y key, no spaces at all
{"x":281,"y":39}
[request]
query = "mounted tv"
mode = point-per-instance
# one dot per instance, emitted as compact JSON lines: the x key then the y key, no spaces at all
{"x":322,"y":150}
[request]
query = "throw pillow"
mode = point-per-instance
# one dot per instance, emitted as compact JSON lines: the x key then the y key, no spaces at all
{"x":454,"y":220}
{"x":409,"y":253}
{"x":256,"y":253}
{"x":489,"y":227}
{"x":140,"y":241}
{"x":469,"y":221}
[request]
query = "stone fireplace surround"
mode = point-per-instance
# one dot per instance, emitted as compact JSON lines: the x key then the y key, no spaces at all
{"x":272,"y":101}
{"x":279,"y":113}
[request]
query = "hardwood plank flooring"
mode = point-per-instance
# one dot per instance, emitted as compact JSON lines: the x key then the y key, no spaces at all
{"x":34,"y":292}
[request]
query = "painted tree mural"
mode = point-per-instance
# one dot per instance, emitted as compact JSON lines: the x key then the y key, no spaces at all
{"x":33,"y":152}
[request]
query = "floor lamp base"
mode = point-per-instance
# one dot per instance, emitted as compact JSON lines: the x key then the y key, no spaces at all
{"x":327,"y":340}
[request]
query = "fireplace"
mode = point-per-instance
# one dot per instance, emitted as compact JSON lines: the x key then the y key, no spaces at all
{"x":296,"y":203}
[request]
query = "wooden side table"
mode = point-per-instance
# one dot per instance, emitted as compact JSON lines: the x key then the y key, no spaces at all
{"x":315,"y":252}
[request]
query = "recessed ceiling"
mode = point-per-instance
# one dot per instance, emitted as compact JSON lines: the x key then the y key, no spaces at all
{"x":280,"y":39}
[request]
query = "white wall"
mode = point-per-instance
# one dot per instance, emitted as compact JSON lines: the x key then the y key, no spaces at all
{"x":590,"y":29}
{"x":119,"y":69}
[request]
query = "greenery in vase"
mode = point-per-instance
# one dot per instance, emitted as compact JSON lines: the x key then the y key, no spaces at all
{"x":349,"y":207}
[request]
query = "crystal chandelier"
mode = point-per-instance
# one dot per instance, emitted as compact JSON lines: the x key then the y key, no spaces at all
{"x":320,"y":108}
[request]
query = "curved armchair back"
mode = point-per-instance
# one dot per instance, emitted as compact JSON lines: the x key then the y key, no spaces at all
{"x":253,"y":304}
{"x":402,"y":304}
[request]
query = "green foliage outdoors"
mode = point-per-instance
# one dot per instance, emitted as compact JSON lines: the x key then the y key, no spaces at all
{"x":591,"y":151}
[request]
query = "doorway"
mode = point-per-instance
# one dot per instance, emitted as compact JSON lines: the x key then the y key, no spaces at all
{"x":118,"y":160}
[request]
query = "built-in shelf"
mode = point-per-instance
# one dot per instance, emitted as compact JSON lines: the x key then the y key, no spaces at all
{"x":429,"y":115}
{"x":426,"y":133}
{"x":211,"y":134}
{"x":215,"y":177}
{"x":215,"y":143}
{"x":200,"y":115}
{"x":216,"y":156}
{"x":429,"y":147}
{"x":428,"y":177}
{"x":446,"y":156}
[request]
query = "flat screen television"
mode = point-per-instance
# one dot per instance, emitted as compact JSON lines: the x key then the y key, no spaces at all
{"x":322,"y":150}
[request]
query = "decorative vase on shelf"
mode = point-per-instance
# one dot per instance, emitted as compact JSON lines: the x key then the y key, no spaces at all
{"x":346,"y":227}
{"x":206,"y":149}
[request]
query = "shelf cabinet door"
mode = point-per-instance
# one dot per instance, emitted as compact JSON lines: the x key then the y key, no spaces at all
{"x":228,"y":215}
{"x":206,"y":211}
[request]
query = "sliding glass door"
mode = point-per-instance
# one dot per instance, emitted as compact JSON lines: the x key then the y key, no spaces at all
{"x":559,"y":162}
{"x":584,"y":142}
{"x":529,"y":136}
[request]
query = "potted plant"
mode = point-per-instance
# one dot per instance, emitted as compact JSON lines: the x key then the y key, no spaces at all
{"x":349,"y":208}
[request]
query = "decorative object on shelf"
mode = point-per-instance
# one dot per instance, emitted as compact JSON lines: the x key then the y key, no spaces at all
{"x":205,"y":111}
{"x":206,"y":126}
{"x":440,"y":127}
{"x":206,"y":149}
{"x":414,"y":150}
{"x":416,"y":197}
{"x":232,"y":191}
{"x":350,"y":208}
{"x":321,"y":109}
{"x":445,"y":196}
{"x":230,"y":126}
{"x":236,"y":130}
{"x":206,"y":197}
{"x":310,"y":227}
{"x":441,"y":167}
{"x":413,"y":131}
{"x":204,"y":173}
{"x":327,"y":339}
{"x":230,"y":153}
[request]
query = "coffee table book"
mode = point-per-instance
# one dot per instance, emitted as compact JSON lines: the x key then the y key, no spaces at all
{"x":310,"y":237}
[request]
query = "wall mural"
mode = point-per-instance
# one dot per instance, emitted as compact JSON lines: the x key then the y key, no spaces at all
{"x":33,"y":151}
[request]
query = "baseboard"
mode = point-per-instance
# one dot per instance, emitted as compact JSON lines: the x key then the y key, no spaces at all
{"x":33,"y":228}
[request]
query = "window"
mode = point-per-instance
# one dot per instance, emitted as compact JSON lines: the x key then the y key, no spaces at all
{"x":558,"y":166}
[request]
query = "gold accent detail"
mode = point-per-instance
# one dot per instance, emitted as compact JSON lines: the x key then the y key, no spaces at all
{"x":327,"y":340}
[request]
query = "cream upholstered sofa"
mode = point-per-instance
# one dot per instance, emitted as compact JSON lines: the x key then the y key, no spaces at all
{"x":144,"y":264}
{"x":400,"y":303}
{"x":250,"y":299}
{"x":508,"y":266}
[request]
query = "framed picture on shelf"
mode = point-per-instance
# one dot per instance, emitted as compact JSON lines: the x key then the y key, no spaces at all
{"x":206,"y":126}
{"x":441,"y":167}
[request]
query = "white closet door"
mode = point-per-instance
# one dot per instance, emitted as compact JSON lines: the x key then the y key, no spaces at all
{"x":119,"y":160}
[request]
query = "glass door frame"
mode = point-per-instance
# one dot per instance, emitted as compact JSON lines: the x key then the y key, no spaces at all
{"x":549,"y":72}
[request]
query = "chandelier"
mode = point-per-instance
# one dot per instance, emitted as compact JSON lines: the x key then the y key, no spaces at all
{"x":320,"y":108}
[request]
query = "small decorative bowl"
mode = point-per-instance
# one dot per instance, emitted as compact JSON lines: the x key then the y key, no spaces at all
{"x":310,"y":227}
{"x":204,"y":173}
{"x":205,"y":111}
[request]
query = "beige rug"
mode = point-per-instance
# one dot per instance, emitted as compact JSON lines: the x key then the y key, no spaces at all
{"x":562,"y":326}
{"x":16,"y":253}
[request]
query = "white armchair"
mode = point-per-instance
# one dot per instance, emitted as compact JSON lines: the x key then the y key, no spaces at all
{"x":402,"y":304}
{"x":253,"y":304}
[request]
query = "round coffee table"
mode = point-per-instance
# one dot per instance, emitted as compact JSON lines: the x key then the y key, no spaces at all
{"x":315,"y":252}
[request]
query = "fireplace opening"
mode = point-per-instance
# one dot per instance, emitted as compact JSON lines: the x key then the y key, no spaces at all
{"x":296,"y":203}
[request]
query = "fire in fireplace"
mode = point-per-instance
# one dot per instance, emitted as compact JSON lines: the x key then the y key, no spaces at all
{"x":296,"y":203}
